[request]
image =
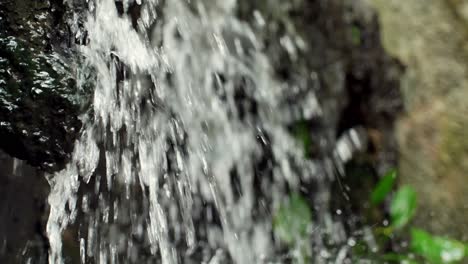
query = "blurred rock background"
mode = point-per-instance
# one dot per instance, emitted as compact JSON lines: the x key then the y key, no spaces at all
{"x":431,"y":38}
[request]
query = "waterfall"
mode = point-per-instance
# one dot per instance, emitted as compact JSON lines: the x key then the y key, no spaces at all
{"x":184,"y":154}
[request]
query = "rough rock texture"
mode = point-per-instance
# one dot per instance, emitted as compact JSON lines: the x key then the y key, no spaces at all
{"x":38,"y":108}
{"x":38,"y":121}
{"x":431,"y":37}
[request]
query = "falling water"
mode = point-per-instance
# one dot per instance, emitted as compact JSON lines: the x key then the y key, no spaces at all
{"x":184,"y":154}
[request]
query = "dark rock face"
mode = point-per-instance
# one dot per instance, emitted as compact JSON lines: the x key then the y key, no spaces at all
{"x":38,"y":108}
{"x":38,"y":121}
{"x":23,"y":212}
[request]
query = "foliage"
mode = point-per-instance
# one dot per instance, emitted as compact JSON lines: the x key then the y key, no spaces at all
{"x":293,"y":218}
{"x":433,"y":249}
{"x":403,"y":207}
{"x":383,"y":188}
{"x":437,"y":249}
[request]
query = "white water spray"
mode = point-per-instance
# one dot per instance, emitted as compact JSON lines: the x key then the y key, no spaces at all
{"x":184,"y":107}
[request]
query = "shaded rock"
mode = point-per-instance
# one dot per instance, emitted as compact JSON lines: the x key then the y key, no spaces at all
{"x":38,"y":103}
{"x":23,"y":213}
{"x":39,"y":107}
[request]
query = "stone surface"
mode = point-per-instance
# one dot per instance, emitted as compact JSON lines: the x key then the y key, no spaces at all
{"x":38,"y":103}
{"x":431,"y":37}
{"x":39,"y":107}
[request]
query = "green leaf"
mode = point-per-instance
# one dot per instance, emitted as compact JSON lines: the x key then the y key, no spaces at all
{"x":437,"y":249}
{"x":384,"y":186}
{"x":292,"y":219}
{"x":403,"y":207}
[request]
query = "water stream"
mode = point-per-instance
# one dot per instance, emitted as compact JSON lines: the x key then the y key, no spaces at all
{"x":184,"y":154}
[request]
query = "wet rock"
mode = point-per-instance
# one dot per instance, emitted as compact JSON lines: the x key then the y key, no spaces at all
{"x":38,"y":103}
{"x":39,"y":107}
{"x":335,"y":44}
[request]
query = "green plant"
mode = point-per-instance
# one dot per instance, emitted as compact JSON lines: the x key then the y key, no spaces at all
{"x":403,"y":207}
{"x":436,"y":249}
{"x":383,"y":188}
{"x":432,"y":249}
{"x":294,"y":217}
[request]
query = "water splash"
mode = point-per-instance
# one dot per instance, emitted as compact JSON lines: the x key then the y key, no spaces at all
{"x":184,"y":153}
